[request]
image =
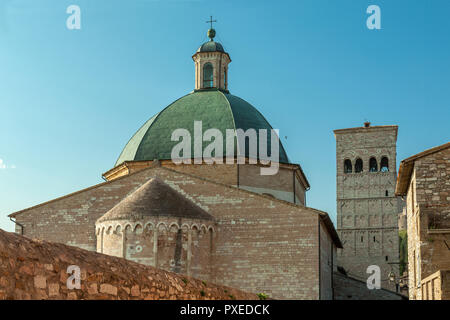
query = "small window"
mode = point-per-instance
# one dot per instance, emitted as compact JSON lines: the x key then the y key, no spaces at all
{"x":387,"y":258}
{"x":347,"y":166}
{"x":373,"y":238}
{"x":373,"y":165}
{"x":208,"y":79}
{"x":358,"y":165}
{"x":362,"y":238}
{"x":225,"y":77}
{"x":387,"y":193}
{"x":384,"y":165}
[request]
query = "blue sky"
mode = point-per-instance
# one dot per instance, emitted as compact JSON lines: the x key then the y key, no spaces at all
{"x":71,"y":99}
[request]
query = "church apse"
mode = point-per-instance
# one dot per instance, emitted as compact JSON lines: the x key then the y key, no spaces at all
{"x":186,"y":249}
{"x":157,"y":226}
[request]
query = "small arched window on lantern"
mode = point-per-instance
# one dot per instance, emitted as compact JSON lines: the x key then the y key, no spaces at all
{"x":384,"y":165}
{"x":347,"y":166}
{"x":373,"y":165}
{"x":358,"y":165}
{"x":225,"y":77}
{"x":208,"y":79}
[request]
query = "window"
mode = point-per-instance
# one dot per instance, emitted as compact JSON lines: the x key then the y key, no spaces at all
{"x":373,"y":165}
{"x":415,"y":271}
{"x":208,"y":79}
{"x":387,"y":258}
{"x":384,"y":165}
{"x":225,"y":77}
{"x":358,"y":165}
{"x":347,"y":166}
{"x":419,"y":273}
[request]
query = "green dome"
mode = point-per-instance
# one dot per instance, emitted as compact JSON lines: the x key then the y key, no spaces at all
{"x":214,"y":108}
{"x":211,"y":46}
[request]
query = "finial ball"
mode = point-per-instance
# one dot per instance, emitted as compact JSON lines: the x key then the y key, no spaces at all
{"x":211,"y":33}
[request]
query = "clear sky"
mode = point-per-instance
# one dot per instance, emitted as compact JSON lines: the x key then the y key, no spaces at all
{"x":71,"y":99}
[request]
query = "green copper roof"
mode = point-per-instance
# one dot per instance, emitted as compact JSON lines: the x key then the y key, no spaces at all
{"x":211,"y":46}
{"x":214,"y":108}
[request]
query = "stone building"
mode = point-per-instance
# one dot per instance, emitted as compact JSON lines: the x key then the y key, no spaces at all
{"x":424,"y":182}
{"x":224,"y":223}
{"x":367,"y":207}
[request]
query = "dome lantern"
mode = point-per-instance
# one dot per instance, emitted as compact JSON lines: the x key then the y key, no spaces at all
{"x":211,"y":64}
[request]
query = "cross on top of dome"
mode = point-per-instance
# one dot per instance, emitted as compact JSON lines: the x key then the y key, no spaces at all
{"x":211,"y":31}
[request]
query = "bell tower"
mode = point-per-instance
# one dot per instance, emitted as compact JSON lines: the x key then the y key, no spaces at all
{"x":211,"y":64}
{"x":367,"y":207}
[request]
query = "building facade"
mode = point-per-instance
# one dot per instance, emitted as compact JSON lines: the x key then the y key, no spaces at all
{"x":424,"y":182}
{"x":218,"y":221}
{"x":367,"y":208}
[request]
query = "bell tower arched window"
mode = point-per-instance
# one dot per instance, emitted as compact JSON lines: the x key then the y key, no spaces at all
{"x":373,"y":165}
{"x":358,"y":165}
{"x":347,"y":166}
{"x":208,"y":75}
{"x":384,"y":165}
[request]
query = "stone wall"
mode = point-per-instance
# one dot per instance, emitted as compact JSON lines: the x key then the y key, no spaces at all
{"x":326,"y":264}
{"x":367,"y":209}
{"x":280,"y":186}
{"x":173,"y":244}
{"x":31,"y":269}
{"x":432,"y":176}
{"x":262,"y":244}
{"x":285,"y":185}
{"x":436,"y":286}
{"x":428,"y":219}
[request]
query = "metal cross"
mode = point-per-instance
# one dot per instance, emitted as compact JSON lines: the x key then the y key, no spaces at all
{"x":211,"y":21}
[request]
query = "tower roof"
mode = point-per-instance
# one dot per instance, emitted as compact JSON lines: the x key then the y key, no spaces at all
{"x":211,"y":46}
{"x":155,"y":199}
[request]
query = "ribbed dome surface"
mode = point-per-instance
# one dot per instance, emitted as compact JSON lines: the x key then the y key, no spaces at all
{"x":214,"y":108}
{"x":211,"y":46}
